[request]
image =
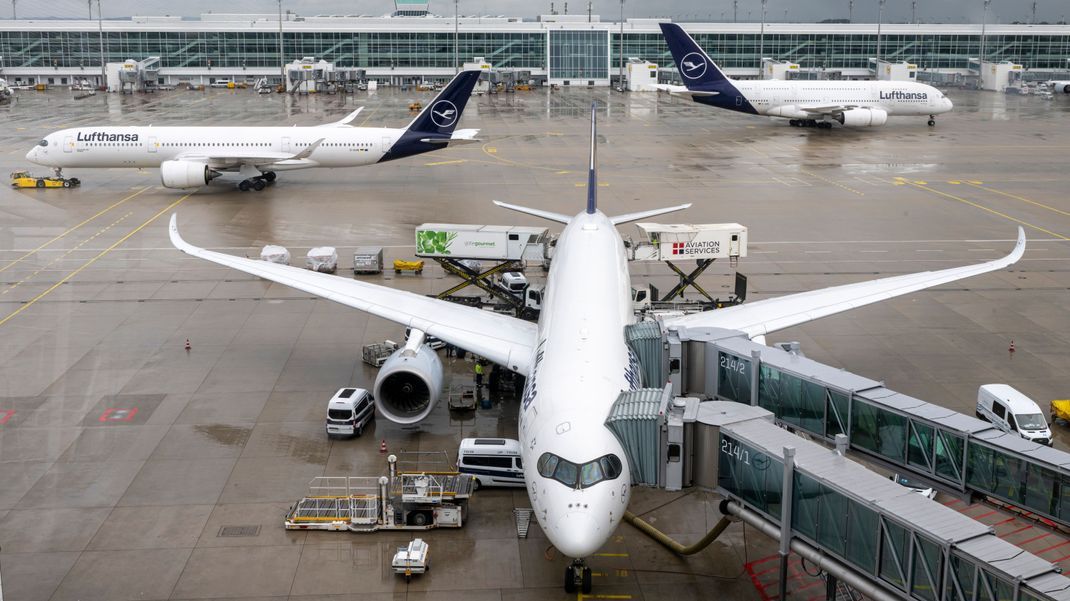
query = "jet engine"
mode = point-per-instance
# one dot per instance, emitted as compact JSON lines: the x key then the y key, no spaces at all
{"x":186,"y":174}
{"x":409,"y":384}
{"x":862,"y":117}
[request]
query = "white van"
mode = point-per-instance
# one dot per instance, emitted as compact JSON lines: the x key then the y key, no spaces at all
{"x":491,"y":461}
{"x":349,"y":411}
{"x":1012,"y":411}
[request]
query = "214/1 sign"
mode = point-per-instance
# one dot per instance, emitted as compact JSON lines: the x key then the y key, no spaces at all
{"x":736,"y":450}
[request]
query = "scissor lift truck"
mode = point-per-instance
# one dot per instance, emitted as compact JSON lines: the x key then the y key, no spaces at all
{"x":704,"y":243}
{"x":401,"y":501}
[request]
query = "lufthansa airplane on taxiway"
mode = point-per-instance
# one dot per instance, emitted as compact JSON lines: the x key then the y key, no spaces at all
{"x":189,"y":157}
{"x":807,"y":103}
{"x":575,"y":359}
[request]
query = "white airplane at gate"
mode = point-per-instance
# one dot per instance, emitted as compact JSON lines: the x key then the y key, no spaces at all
{"x":805,"y":103}
{"x":575,"y":359}
{"x":189,"y":157}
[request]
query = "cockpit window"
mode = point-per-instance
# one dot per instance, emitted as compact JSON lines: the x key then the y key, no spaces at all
{"x":608,"y":467}
{"x":43,"y":143}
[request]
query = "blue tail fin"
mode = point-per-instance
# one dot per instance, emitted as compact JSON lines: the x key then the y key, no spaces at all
{"x":592,"y":173}
{"x":433,"y":127}
{"x":695,"y":66}
{"x":443,"y":113}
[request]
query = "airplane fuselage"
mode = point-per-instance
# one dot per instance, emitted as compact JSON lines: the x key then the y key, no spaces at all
{"x":144,"y":147}
{"x":785,"y":98}
{"x":580,"y":367}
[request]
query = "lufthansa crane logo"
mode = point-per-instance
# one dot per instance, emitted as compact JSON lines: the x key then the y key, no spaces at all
{"x":444,"y":113}
{"x":693,"y":66}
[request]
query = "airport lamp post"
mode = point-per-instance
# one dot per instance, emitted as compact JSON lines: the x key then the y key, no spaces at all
{"x":850,"y":11}
{"x":761,"y":41}
{"x":880,"y":18}
{"x":620,"y":49}
{"x":984,"y":23}
{"x":103,"y":62}
{"x":282,"y":58}
{"x":735,"y":11}
{"x":456,"y":32}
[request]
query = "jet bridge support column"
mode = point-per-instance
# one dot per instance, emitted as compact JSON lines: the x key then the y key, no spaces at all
{"x":785,"y":518}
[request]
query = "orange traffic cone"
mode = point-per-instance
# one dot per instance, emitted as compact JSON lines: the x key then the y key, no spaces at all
{"x":382,"y":447}
{"x":188,"y":347}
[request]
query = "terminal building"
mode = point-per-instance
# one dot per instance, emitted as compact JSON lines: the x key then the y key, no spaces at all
{"x":411,"y":44}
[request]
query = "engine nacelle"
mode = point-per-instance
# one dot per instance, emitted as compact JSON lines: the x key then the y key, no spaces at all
{"x":186,"y":174}
{"x":863,"y":117}
{"x":409,"y":385}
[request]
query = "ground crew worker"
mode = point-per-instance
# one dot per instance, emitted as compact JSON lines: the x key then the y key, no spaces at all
{"x":479,"y":374}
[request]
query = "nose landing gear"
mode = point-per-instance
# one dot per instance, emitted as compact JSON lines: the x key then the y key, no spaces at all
{"x":578,"y":577}
{"x":932,"y":120}
{"x":257,"y":183}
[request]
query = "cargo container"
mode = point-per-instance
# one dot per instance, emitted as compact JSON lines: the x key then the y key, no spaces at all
{"x":668,"y":242}
{"x":494,"y":242}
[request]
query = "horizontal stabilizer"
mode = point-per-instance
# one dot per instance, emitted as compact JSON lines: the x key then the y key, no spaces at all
{"x":558,"y":217}
{"x":628,"y":217}
{"x":461,"y":136}
{"x":683,"y":91}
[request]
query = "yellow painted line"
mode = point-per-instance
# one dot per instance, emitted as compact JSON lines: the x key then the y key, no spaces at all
{"x":64,"y":255}
{"x":837,"y":184}
{"x":101,"y":212}
{"x":563,"y":172}
{"x":491,"y":150}
{"x":1021,"y":198}
{"x":70,"y":275}
{"x":370,"y":115}
{"x":984,"y":208}
{"x":454,"y":162}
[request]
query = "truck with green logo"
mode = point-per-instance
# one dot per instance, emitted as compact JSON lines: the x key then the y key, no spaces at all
{"x":490,"y":242}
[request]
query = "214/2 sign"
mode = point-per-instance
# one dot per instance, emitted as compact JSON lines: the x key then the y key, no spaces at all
{"x":732,"y":364}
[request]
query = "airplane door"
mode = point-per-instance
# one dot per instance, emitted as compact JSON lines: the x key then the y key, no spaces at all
{"x":153,"y":146}
{"x":733,"y":246}
{"x":286,"y":144}
{"x":68,"y":144}
{"x":387,"y":143}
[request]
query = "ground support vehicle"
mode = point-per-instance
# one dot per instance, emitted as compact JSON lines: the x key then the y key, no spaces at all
{"x":404,"y":500}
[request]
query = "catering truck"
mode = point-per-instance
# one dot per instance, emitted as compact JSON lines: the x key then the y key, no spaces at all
{"x":492,"y":242}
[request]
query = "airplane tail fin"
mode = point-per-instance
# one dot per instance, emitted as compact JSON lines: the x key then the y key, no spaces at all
{"x":695,"y":66}
{"x":592,"y":170}
{"x":441,"y":115}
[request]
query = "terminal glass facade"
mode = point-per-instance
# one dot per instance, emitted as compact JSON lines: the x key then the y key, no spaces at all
{"x":853,"y":51}
{"x":579,"y":55}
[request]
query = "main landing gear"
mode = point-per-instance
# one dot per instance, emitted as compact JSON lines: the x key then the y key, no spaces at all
{"x":578,"y":576}
{"x":810,"y":123}
{"x":257,"y":183}
{"x":932,"y":120}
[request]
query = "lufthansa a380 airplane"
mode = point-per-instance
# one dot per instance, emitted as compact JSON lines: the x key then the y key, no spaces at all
{"x":189,"y":157}
{"x":806,"y":103}
{"x":575,"y":358}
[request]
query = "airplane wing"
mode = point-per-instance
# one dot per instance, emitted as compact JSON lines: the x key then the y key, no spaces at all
{"x":829,"y":109}
{"x":682,"y":90}
{"x":764,"y":316}
{"x":505,"y":340}
{"x":232,"y":158}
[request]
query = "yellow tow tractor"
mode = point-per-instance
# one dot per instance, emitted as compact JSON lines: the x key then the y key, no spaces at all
{"x":1060,"y":410}
{"x":23,"y":179}
{"x":416,"y":267}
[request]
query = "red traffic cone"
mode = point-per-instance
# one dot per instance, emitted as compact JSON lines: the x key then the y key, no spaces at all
{"x":1011,"y":349}
{"x":382,"y":447}
{"x":188,"y":347}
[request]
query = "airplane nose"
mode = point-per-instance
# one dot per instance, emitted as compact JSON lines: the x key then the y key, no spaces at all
{"x":32,"y":155}
{"x":577,"y":535}
{"x":948,"y":105}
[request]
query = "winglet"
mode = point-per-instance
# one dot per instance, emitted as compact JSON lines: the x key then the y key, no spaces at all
{"x":592,"y":173}
{"x":1019,"y":248}
{"x":346,"y":120}
{"x":176,"y":239}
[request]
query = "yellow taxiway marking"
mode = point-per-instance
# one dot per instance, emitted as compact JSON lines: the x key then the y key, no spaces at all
{"x":85,"y":265}
{"x":1021,"y":198}
{"x":834,"y":183}
{"x":98,"y":214}
{"x":993,"y":211}
{"x":101,"y":231}
{"x":369,"y":115}
{"x":453,"y":162}
{"x":584,"y":184}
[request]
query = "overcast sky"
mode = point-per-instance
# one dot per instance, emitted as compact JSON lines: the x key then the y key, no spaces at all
{"x":958,"y":11}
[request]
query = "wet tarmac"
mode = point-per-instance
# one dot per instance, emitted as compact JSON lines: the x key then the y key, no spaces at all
{"x":123,"y":456}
